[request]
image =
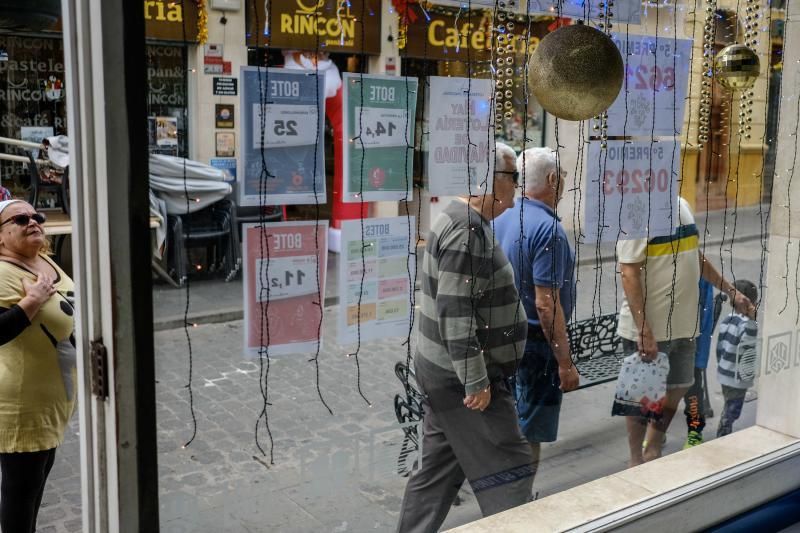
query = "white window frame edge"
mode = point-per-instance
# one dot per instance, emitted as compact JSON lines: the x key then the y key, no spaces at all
{"x":113,"y":482}
{"x":78,"y":40}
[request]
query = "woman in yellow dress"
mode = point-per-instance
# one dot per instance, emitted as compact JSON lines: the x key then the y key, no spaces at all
{"x":37,"y":363}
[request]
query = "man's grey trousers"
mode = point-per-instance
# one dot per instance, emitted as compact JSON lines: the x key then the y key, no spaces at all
{"x":486,"y":448}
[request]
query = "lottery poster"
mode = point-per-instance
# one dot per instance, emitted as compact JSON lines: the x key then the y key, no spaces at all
{"x":632,"y":191}
{"x":284,"y":281}
{"x":657,"y":76}
{"x":379,"y":270}
{"x":627,"y":11}
{"x":283,"y":113}
{"x":458,"y":144}
{"x":379,"y":137}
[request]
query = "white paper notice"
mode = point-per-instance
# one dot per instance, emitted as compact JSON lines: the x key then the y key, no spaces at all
{"x":380,"y":281}
{"x":631,"y":191}
{"x":286,"y":277}
{"x":460,"y":146}
{"x":285,"y":125}
{"x":380,"y":127}
{"x":652,"y":98}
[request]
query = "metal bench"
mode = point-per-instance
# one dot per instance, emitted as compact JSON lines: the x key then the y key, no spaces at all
{"x":596,"y":351}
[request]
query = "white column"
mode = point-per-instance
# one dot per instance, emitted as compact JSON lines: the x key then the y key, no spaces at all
{"x":779,"y":320}
{"x":202,"y":100}
{"x":389,"y":51}
{"x":377,"y":65}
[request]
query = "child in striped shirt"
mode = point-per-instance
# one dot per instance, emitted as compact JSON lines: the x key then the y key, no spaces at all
{"x":736,"y":351}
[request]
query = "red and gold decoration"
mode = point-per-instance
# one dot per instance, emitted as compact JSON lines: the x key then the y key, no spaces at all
{"x":202,"y":22}
{"x":407,"y":16}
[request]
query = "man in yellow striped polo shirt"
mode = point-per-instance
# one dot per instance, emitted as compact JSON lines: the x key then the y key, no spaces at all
{"x":660,"y":278}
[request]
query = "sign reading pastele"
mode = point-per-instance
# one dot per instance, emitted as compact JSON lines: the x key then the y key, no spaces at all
{"x":379,"y":137}
{"x":387,"y":277}
{"x":657,"y":73}
{"x":460,"y":145}
{"x":282,"y":114}
{"x":627,"y":11}
{"x":284,"y":282}
{"x":632,"y":192}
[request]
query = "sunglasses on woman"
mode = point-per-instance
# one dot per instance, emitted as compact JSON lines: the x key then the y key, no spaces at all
{"x":25,"y":219}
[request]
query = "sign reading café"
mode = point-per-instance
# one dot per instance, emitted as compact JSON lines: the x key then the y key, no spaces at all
{"x":444,"y":36}
{"x":327,"y":25}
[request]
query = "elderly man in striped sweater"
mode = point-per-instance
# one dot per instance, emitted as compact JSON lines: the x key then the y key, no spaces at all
{"x":472,"y":332}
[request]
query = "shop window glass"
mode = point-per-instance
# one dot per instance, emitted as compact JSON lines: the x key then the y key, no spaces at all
{"x":32,"y":104}
{"x":167,"y":120}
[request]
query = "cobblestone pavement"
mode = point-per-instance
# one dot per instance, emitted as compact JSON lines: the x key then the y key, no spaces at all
{"x":332,"y":473}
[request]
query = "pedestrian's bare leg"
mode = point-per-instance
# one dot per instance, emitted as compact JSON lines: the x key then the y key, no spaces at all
{"x":637,"y":426}
{"x":656,"y":430}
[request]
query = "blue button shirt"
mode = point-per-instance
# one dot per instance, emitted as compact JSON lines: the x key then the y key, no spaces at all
{"x":540,"y":254}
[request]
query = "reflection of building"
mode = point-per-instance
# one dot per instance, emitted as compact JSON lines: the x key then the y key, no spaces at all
{"x":729,"y":167}
{"x":32,"y":77}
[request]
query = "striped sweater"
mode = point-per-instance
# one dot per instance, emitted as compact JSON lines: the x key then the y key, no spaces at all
{"x":736,"y":353}
{"x":471,"y":323}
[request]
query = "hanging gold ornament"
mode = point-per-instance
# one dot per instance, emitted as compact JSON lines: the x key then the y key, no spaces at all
{"x":576,"y":72}
{"x":736,"y":67}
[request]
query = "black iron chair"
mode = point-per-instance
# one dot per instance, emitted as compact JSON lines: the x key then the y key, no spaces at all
{"x":37,"y":186}
{"x":215,"y":228}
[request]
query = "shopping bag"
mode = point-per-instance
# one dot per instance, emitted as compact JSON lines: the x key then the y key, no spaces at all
{"x":641,"y":387}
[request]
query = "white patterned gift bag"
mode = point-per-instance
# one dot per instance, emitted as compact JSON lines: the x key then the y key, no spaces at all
{"x":641,"y":387}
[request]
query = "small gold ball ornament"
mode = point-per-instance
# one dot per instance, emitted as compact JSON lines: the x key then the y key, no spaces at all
{"x":576,"y":72}
{"x":736,"y":67}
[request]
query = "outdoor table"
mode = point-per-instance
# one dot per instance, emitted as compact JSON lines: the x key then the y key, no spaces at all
{"x":58,"y":225}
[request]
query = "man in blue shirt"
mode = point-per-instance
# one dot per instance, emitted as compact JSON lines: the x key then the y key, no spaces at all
{"x":536,"y":245}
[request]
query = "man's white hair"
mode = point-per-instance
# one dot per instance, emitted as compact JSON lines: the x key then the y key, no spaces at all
{"x":504,"y":159}
{"x":534,"y":165}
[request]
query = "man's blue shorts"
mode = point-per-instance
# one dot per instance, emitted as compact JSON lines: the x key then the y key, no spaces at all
{"x":538,"y":392}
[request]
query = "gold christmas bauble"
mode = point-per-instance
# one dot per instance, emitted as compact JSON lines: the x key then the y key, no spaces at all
{"x":576,"y":72}
{"x":736,"y":67}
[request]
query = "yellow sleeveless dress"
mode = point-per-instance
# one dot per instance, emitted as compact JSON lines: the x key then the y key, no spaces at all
{"x":37,"y":369}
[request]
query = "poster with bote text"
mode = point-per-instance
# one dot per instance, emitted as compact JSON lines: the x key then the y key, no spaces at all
{"x":458,"y":142}
{"x":284,"y":285}
{"x":379,"y":137}
{"x":282,"y":120}
{"x":653,"y":95}
{"x":631,"y":190}
{"x":375,"y":278}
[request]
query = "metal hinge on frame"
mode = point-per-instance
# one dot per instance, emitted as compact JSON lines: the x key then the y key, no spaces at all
{"x":99,"y":356}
